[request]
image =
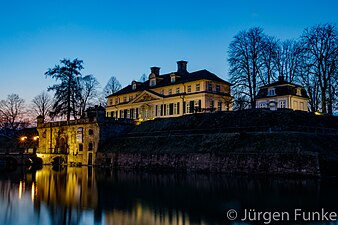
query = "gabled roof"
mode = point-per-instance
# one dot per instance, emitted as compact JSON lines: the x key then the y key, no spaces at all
{"x":165,"y":80}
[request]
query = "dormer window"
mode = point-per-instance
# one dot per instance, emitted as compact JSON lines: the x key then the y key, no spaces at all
{"x":172,"y":79}
{"x":152,"y":82}
{"x":133,"y":85}
{"x":271,"y":92}
{"x":298,"y":92}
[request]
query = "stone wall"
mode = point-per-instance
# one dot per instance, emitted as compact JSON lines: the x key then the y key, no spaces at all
{"x":304,"y":164}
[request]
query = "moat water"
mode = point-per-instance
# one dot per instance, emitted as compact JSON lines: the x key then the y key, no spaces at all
{"x":85,"y":195}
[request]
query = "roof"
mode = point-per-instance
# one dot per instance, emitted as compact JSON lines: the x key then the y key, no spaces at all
{"x":165,"y":80}
{"x":281,"y":87}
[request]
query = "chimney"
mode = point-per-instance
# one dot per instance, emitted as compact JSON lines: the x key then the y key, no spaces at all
{"x":182,"y":67}
{"x":155,"y":70}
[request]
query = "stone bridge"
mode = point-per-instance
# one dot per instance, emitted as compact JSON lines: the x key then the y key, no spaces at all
{"x":53,"y":158}
{"x":8,"y":160}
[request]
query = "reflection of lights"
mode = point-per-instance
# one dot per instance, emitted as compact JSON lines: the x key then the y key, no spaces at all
{"x":20,"y":190}
{"x":33,"y":191}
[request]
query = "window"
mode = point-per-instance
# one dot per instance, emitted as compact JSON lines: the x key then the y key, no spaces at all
{"x":198,"y":87}
{"x":212,"y":105}
{"x":110,"y":101}
{"x":188,"y":108}
{"x":189,"y":89}
{"x":175,"y":108}
{"x":172,"y":79}
{"x":298,"y":91}
{"x":271,"y":92}
{"x":177,"y":90}
{"x":124,"y":99}
{"x":80,"y":147}
{"x":134,"y":86}
{"x":262,"y":105}
{"x":301,"y":106}
{"x":170,"y":92}
{"x":116,"y":101}
{"x":219,"y":106}
{"x":282,"y":104}
{"x":90,"y":132}
{"x":209,"y":86}
{"x":90,"y":146}
{"x":152,"y":82}
{"x":171,"y":109}
{"x":218,"y":88}
{"x":130,"y":97}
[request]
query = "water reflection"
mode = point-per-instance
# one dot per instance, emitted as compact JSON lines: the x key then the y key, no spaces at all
{"x":82,"y":195}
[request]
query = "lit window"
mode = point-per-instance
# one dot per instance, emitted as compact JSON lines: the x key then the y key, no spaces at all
{"x":212,"y":105}
{"x":197,"y":87}
{"x":189,"y":88}
{"x":177,"y":90}
{"x":262,"y":105}
{"x":124,"y":99}
{"x":134,"y":86}
{"x":282,"y":104}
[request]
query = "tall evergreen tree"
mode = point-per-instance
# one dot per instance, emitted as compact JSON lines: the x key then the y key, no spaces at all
{"x":68,"y":92}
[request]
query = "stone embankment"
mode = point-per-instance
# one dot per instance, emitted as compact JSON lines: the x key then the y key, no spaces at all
{"x":245,"y":142}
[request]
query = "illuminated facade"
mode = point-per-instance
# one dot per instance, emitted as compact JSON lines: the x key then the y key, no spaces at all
{"x":76,"y":141}
{"x":170,"y":95}
{"x":282,"y":94}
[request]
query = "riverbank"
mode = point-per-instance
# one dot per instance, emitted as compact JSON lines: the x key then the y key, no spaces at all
{"x":245,"y":142}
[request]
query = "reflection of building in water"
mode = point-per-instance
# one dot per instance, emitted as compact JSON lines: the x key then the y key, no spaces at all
{"x":73,"y":186}
{"x":142,"y":215}
{"x":75,"y":141}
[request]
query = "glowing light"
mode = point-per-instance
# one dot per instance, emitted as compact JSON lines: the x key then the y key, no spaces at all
{"x":23,"y":138}
{"x":35,"y":138}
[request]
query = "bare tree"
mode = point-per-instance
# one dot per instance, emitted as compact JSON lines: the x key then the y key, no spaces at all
{"x":269,"y":47}
{"x":89,"y":86}
{"x":246,"y":61}
{"x":112,"y":86}
{"x":42,"y":104}
{"x":143,"y":78}
{"x":288,"y":60}
{"x":320,"y":44}
{"x":12,"y":112}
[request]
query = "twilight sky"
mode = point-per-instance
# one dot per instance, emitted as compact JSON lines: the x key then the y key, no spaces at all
{"x":125,"y":38}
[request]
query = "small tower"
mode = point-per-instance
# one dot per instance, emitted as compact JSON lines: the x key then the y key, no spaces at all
{"x":40,"y":119}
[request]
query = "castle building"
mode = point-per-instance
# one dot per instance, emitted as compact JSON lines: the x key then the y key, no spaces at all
{"x":282,"y":94}
{"x":76,"y":141}
{"x":170,"y":95}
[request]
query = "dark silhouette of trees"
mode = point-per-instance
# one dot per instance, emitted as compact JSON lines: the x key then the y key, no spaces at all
{"x":89,"y":92}
{"x":112,"y":86}
{"x":42,"y":104}
{"x":246,"y":54}
{"x":257,"y":59}
{"x":12,"y":111}
{"x":68,"y":92}
{"x":320,"y":46}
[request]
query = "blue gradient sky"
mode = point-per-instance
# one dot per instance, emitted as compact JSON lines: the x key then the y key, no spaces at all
{"x":125,"y":38}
